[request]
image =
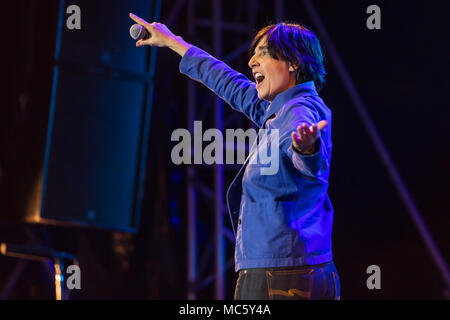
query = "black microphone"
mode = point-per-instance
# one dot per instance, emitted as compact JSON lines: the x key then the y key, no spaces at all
{"x":138,"y":32}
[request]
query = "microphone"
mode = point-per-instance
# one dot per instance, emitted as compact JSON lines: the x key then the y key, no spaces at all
{"x":138,"y":32}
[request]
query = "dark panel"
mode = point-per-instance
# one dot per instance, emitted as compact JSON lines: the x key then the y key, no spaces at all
{"x":94,"y":151}
{"x":93,"y":163}
{"x":93,"y":135}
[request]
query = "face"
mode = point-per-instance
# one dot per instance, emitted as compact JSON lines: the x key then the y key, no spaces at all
{"x":272,"y":76}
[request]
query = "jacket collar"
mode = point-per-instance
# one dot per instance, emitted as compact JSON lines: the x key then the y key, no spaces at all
{"x":300,"y":90}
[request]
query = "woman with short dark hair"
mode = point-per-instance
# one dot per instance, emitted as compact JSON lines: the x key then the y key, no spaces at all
{"x":297,"y":45}
{"x":283,"y":219}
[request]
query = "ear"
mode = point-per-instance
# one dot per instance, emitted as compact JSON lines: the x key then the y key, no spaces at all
{"x":293,"y":68}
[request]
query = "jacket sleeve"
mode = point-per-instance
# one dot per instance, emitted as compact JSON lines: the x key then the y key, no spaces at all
{"x":230,"y":85}
{"x":313,"y":165}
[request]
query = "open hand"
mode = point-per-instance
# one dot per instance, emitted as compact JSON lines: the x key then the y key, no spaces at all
{"x":305,"y":137}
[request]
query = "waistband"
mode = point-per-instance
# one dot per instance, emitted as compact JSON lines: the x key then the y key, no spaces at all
{"x":305,"y":267}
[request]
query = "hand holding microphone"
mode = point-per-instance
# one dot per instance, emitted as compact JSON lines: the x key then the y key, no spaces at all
{"x":152,"y":34}
{"x":138,"y":32}
{"x":156,"y":34}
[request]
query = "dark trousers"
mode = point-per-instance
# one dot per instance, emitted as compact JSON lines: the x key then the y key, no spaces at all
{"x":317,"y":282}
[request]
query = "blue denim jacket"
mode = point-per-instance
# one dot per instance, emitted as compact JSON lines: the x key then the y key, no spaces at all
{"x":282,"y":219}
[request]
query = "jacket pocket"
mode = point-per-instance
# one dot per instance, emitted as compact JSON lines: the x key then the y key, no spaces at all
{"x":265,"y":233}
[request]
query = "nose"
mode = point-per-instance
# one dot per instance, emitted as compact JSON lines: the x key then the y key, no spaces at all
{"x":253,"y":62}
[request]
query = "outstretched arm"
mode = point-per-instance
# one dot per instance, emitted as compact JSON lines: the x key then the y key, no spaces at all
{"x":239,"y":92}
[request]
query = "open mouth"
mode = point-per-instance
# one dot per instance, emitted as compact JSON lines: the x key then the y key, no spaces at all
{"x":259,"y":78}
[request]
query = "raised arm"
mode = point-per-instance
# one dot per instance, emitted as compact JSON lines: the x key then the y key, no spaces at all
{"x":239,"y":92}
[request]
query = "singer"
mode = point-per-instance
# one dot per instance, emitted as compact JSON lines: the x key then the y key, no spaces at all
{"x":283,"y":221}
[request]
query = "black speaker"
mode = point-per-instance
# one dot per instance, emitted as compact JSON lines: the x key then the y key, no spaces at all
{"x":91,"y":168}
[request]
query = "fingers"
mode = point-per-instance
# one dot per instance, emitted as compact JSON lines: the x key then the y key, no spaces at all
{"x":138,"y":20}
{"x":311,"y":132}
{"x":306,"y":136}
{"x":302,"y":137}
{"x":142,"y":42}
{"x":322,"y":124}
{"x":314,"y":130}
{"x":304,"y":132}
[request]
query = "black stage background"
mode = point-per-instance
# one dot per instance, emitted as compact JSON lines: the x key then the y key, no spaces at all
{"x":400,"y":71}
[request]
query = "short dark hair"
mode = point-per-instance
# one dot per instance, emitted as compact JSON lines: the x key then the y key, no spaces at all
{"x":297,"y":45}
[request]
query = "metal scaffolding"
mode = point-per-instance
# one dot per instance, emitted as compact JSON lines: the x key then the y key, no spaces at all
{"x":195,"y":187}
